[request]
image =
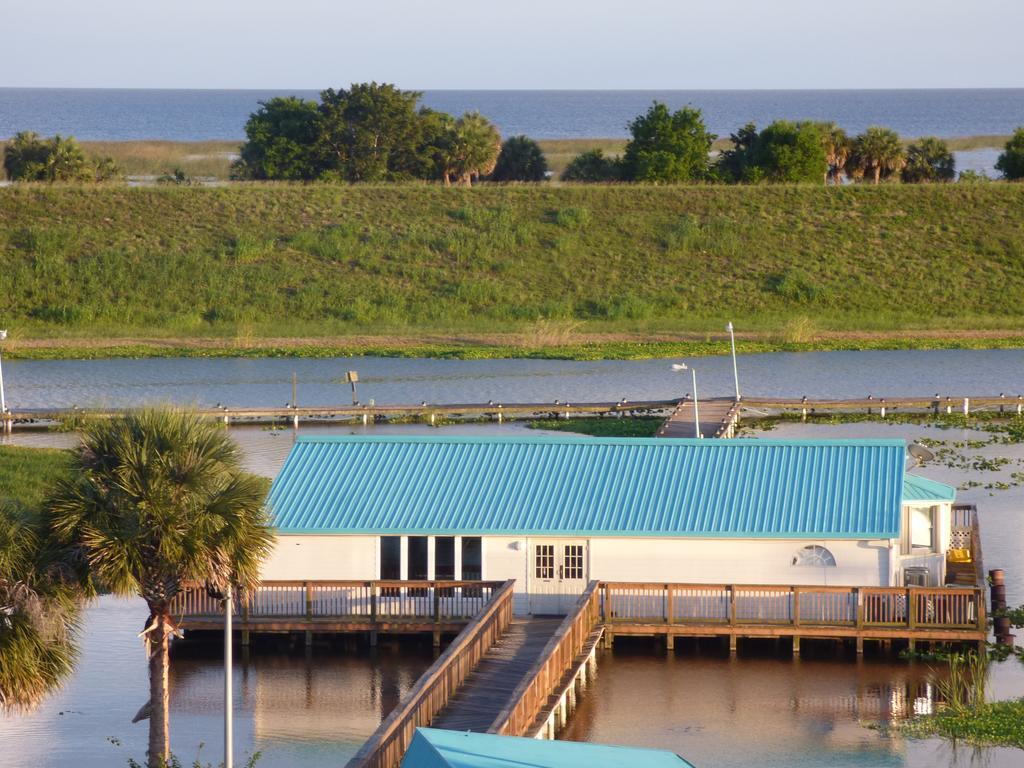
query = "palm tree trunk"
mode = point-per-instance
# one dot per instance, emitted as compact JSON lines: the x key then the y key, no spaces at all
{"x":878,"y":173}
{"x":159,"y":695}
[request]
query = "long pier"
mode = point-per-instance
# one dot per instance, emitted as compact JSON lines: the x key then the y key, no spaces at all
{"x":367,"y":414}
{"x":718,"y":416}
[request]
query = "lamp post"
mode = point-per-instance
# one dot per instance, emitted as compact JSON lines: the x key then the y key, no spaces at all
{"x":735,"y":370}
{"x":696,"y":408}
{"x":228,"y":704}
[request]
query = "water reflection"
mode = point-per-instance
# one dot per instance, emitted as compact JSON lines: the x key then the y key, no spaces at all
{"x":765,"y":711}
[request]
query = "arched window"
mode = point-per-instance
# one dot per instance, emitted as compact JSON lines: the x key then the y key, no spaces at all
{"x":814,"y":554}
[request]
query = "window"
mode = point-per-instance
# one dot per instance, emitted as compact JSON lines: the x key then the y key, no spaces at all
{"x":572,"y":563}
{"x":391,"y":557}
{"x":444,"y":558}
{"x":472,"y":568}
{"x":814,"y":555}
{"x":417,"y":558}
{"x":544,"y":561}
{"x":922,"y":523}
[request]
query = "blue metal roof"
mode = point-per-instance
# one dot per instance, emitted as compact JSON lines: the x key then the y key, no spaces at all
{"x":917,"y":488}
{"x":591,"y":486}
{"x":436,"y":748}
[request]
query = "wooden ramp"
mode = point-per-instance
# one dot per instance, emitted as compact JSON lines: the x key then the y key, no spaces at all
{"x":717,"y":418}
{"x":489,"y":688}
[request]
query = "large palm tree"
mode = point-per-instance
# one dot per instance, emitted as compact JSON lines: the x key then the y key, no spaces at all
{"x":837,"y":150}
{"x":878,"y":152}
{"x":158,"y":500}
{"x":40,"y":589}
{"x":471,"y":149}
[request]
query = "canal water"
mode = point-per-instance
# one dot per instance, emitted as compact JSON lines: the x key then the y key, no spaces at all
{"x":298,"y":710}
{"x":268,"y":382}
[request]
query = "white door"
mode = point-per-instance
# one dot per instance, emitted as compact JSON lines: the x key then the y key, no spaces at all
{"x":558,"y":575}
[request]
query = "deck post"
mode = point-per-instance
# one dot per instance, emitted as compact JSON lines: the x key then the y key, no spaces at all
{"x":437,"y":616}
{"x":732,"y":605}
{"x":911,"y":609}
{"x":374,"y":590}
{"x":670,"y":642}
{"x":796,"y":605}
{"x":859,"y":607}
{"x":796,"y":646}
{"x":669,"y":607}
{"x":860,"y":645}
{"x":732,"y":643}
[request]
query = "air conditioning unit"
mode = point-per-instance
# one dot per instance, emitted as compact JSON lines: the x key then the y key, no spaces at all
{"x":915,"y":576}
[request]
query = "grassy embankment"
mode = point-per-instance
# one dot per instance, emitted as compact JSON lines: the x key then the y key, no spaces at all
{"x":28,"y":474}
{"x":570,"y":271}
{"x":212,"y":159}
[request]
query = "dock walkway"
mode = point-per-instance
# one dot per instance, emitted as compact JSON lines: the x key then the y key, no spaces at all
{"x":491,"y":685}
{"x":718,"y":417}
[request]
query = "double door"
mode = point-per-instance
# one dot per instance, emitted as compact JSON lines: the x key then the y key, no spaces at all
{"x":558,"y":574}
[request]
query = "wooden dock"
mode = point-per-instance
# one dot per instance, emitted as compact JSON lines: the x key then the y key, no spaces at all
{"x":522,"y":677}
{"x":366,"y":414}
{"x":490,"y":687}
{"x":340,"y":607}
{"x":718,"y":418}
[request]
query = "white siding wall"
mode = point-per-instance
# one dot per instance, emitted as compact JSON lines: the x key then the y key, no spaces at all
{"x":709,"y":561}
{"x":310,"y":557}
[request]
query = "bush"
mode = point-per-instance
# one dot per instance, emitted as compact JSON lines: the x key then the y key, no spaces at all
{"x":521,"y":159}
{"x":28,"y":157}
{"x":1011,"y":161}
{"x":592,"y":166}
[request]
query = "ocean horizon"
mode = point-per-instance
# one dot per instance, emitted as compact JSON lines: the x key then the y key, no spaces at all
{"x":124,"y":114}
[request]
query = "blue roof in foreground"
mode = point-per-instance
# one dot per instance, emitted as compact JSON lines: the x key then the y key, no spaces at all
{"x":435,"y":748}
{"x":591,"y":486}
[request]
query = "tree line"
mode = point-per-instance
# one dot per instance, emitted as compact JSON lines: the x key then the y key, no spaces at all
{"x":374,"y":132}
{"x":377,"y":132}
{"x":673,"y":147}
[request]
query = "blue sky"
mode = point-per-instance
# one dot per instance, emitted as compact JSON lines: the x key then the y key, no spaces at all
{"x":524,"y":44}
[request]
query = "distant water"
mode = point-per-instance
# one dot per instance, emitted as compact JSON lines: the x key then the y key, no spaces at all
{"x":107,"y":114}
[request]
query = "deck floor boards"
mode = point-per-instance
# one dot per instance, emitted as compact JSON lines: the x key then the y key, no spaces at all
{"x":712,"y":413}
{"x":489,"y":687}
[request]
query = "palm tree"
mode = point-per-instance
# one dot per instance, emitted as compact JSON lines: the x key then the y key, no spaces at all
{"x":837,"y":150}
{"x":40,"y":590}
{"x":158,"y":501}
{"x":877,"y":151}
{"x":471,"y":149}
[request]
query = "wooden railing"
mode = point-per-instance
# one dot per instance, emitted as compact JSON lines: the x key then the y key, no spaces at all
{"x":555,"y":660}
{"x":736,"y":605}
{"x":388,"y":744}
{"x":373,"y":600}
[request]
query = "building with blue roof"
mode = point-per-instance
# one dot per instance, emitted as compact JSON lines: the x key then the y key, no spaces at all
{"x":436,"y":748}
{"x":555,"y":512}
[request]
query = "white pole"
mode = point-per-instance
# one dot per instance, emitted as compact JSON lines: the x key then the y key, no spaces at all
{"x":3,"y":403}
{"x":696,"y":410}
{"x":735,"y":370}
{"x":228,"y":738}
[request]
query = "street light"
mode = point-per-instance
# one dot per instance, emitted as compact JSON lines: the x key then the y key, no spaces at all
{"x":228,"y":703}
{"x":735,"y":370}
{"x":3,"y":403}
{"x":696,"y":410}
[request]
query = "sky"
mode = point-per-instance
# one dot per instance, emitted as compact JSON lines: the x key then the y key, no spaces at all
{"x":526,"y":44}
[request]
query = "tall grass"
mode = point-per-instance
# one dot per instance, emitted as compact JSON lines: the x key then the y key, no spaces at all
{"x":250,"y":261}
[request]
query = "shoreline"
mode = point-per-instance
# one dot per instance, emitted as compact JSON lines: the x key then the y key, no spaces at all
{"x":578,"y":346}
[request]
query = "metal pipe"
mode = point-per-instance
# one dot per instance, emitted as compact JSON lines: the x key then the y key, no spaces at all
{"x":3,"y":403}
